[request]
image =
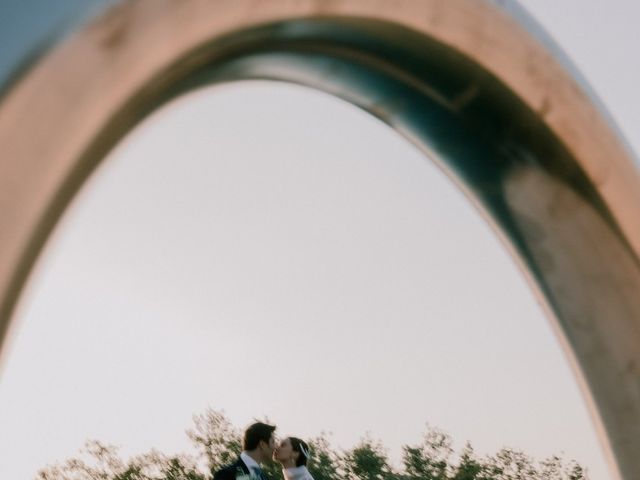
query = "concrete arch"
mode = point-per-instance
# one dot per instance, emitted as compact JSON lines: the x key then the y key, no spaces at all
{"x":462,"y":79}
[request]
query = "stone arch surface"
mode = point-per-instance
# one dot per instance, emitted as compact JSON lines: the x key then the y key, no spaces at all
{"x":463,"y":79}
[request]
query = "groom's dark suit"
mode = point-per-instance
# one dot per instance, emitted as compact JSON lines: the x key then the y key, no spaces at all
{"x":229,"y":472}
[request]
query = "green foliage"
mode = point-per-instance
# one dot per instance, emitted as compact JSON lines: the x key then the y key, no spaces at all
{"x":102,"y":462}
{"x":510,"y":464}
{"x":367,"y":461}
{"x":324,"y":463}
{"x":428,"y":460}
{"x":468,"y":468}
{"x":217,"y":442}
{"x":272,"y":470}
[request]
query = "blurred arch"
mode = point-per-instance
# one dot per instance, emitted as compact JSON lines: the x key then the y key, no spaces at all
{"x":470,"y":82}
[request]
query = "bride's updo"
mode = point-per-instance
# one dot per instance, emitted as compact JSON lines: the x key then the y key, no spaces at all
{"x":300,"y":446}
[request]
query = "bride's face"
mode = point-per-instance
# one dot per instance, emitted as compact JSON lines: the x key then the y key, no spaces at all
{"x":284,"y":452}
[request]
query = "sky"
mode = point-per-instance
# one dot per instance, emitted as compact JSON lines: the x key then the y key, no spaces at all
{"x":323,"y":273}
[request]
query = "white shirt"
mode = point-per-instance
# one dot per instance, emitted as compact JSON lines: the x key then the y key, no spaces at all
{"x":249,"y":462}
{"x":297,"y":473}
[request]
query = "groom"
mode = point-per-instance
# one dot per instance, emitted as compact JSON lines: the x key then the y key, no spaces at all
{"x":257,"y":447}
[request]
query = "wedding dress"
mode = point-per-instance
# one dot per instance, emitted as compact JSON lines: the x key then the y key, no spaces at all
{"x":297,"y":473}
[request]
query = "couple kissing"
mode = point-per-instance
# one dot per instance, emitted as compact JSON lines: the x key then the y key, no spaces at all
{"x":258,"y":447}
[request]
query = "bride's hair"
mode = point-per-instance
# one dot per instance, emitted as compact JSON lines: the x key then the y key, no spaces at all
{"x":302,"y":448}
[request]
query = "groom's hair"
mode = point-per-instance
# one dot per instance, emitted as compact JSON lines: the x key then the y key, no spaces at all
{"x":255,"y":433}
{"x":296,"y":445}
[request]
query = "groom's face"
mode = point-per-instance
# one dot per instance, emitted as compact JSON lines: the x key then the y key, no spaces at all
{"x":268,"y":447}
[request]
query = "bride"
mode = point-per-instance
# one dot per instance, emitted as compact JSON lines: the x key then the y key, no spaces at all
{"x":292,"y":454}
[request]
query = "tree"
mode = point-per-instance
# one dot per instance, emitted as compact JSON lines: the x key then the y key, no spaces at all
{"x":102,"y":462}
{"x":324,"y":463}
{"x":367,"y":461}
{"x":577,"y":472}
{"x":217,"y":442}
{"x":509,"y":464}
{"x":428,"y":460}
{"x":469,"y":467}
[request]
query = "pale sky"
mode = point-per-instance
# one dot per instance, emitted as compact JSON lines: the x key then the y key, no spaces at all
{"x":269,"y":250}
